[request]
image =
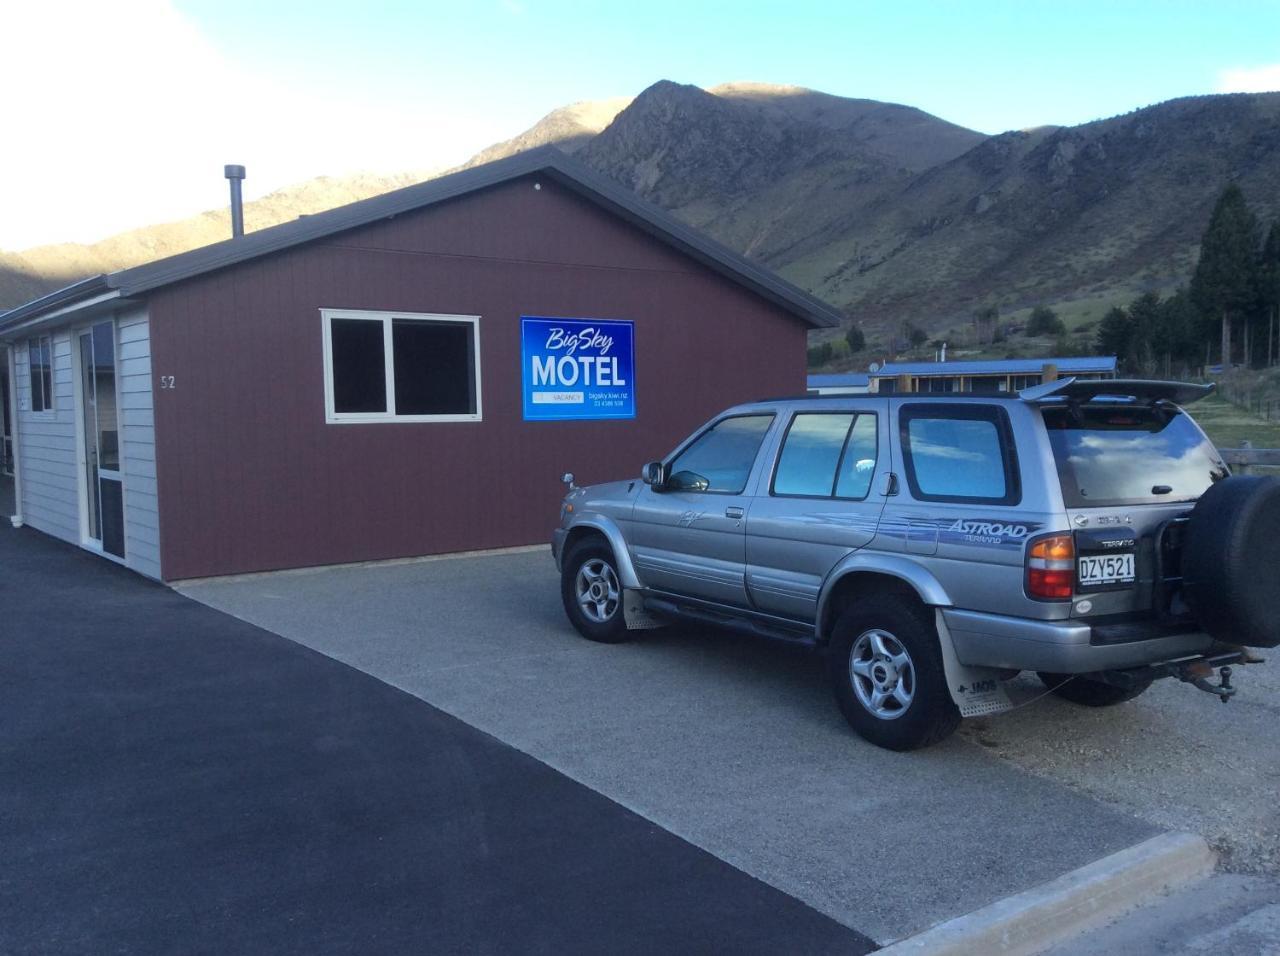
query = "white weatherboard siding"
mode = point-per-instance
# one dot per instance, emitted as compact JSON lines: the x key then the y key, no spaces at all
{"x":50,"y":491}
{"x":49,"y":457}
{"x":138,"y":443}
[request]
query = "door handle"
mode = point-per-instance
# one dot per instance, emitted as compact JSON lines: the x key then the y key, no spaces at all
{"x":733,"y":511}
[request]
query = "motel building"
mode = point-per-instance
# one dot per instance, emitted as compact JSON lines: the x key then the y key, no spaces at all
{"x":406,"y":375}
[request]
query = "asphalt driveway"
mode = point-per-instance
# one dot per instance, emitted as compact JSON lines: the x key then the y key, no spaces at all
{"x":174,"y":780}
{"x":731,"y":743}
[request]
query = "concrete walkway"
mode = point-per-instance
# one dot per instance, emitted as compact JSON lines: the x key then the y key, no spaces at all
{"x":731,"y":743}
{"x":175,"y":781}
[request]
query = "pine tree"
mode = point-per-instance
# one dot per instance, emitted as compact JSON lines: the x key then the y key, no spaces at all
{"x":1115,"y":334}
{"x":1269,"y":289}
{"x":1144,"y":330}
{"x":1044,"y":321}
{"x":1225,"y":283}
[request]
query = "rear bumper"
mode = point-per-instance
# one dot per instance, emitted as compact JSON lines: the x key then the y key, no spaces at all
{"x":1060,"y":647}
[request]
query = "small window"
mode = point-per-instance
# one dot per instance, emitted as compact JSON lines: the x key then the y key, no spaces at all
{"x":40,"y":367}
{"x":720,"y":459}
{"x":859,"y":462}
{"x":827,"y":454}
{"x":384,"y":366}
{"x":959,"y":453}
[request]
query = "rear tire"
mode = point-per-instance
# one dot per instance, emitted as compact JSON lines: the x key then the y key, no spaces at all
{"x":885,"y":666}
{"x":592,"y":592}
{"x":1087,"y":692}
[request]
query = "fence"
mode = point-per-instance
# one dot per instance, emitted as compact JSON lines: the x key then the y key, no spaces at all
{"x":1247,"y":460}
{"x":1264,"y":404}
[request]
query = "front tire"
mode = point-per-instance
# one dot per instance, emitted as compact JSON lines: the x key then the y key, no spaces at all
{"x":592,"y":593}
{"x":1089,"y":693}
{"x":885,"y":666}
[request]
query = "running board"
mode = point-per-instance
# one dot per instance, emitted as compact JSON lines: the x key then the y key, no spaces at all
{"x":687,"y":611}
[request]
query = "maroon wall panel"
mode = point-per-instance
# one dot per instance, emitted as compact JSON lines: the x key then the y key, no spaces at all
{"x":252,"y":478}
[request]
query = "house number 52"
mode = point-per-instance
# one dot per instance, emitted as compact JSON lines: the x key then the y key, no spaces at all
{"x":166,"y":381}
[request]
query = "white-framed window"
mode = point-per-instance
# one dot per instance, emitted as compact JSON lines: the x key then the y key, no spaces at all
{"x":40,"y":372}
{"x":401,"y":366}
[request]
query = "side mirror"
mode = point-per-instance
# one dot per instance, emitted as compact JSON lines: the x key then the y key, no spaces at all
{"x":654,"y":475}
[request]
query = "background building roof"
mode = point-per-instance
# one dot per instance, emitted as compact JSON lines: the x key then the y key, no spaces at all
{"x":842,"y":380}
{"x":1086,"y":364}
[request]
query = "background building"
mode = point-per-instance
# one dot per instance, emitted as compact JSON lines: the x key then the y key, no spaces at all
{"x":995,"y":375}
{"x":407,"y":375}
{"x":844,"y":383}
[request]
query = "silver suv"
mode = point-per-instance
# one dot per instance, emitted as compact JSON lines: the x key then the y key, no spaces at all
{"x":938,"y":545}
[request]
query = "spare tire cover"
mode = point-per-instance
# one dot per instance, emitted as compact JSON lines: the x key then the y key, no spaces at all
{"x":1231,"y":561}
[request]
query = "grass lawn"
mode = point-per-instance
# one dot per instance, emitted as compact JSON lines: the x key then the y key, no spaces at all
{"x":1227,"y":425}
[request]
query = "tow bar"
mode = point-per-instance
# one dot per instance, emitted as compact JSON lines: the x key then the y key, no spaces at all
{"x":1224,"y":690}
{"x":1197,"y":672}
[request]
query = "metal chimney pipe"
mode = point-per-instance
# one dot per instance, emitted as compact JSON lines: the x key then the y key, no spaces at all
{"x":236,"y":175}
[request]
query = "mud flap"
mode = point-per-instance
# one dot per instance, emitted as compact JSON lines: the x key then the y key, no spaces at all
{"x":634,"y":613}
{"x":977,"y":691}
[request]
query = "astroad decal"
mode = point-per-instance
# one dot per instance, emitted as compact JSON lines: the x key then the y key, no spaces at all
{"x":577,"y":368}
{"x":976,"y":531}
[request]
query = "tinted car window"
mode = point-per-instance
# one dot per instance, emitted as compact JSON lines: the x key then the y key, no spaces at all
{"x":959,"y":453}
{"x":1117,"y":455}
{"x":859,"y":461}
{"x":720,"y":459}
{"x":810,"y":454}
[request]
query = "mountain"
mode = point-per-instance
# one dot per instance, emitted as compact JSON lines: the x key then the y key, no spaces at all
{"x":893,"y":214}
{"x":569,"y":128}
{"x":25,"y":275}
{"x":879,"y":208}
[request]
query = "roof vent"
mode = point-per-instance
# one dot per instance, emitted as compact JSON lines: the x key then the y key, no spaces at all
{"x":236,"y":175}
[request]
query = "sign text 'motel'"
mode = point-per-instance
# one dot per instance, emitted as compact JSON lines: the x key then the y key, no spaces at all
{"x":577,"y":368}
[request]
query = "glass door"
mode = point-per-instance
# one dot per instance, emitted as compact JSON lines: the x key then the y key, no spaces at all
{"x":104,"y":487}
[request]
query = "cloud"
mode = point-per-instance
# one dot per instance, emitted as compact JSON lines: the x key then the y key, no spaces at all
{"x":1250,"y":79}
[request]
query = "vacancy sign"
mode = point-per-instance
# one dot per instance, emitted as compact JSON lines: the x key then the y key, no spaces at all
{"x":577,"y":369}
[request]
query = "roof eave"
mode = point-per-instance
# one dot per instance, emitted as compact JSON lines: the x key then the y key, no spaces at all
{"x":58,"y":301}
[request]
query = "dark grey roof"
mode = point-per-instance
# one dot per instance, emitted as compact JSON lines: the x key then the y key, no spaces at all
{"x":546,"y":160}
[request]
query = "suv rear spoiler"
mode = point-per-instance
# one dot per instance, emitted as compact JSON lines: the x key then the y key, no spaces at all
{"x":1074,"y":390}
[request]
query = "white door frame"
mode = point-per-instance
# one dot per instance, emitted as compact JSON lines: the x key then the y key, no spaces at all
{"x":82,"y":446}
{"x":15,"y":423}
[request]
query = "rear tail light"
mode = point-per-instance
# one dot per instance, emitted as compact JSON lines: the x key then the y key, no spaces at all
{"x":1051,"y":567}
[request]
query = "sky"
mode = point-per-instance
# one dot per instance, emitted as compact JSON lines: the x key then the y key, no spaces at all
{"x":121,"y":113}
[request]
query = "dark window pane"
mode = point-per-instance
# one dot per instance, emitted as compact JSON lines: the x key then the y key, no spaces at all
{"x":720,"y":459}
{"x":957,"y":458}
{"x":807,"y":465}
{"x":859,"y":462}
{"x":40,"y":368}
{"x":359,"y":367}
{"x":112,"y":516}
{"x":1115,"y":456}
{"x":435,"y":367}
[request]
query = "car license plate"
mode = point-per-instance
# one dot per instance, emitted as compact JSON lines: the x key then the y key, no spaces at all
{"x":1106,"y":569}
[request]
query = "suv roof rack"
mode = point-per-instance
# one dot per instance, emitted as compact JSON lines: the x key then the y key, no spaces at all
{"x":1124,"y":389}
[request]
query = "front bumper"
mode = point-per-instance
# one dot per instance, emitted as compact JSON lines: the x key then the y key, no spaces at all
{"x":1059,"y":647}
{"x":557,"y":545}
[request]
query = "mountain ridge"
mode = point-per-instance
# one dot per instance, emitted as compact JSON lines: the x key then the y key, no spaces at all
{"x":879,"y":208}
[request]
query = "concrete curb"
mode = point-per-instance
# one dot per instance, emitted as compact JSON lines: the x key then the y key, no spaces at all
{"x":1083,"y":899}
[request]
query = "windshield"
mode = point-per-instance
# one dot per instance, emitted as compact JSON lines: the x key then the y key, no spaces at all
{"x":1117,"y":455}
